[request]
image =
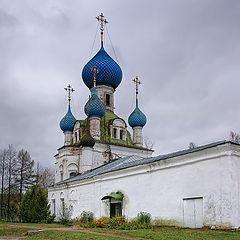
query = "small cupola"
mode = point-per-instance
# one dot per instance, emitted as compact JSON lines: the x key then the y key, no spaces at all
{"x":137,"y":120}
{"x":94,"y":106}
{"x":68,"y":121}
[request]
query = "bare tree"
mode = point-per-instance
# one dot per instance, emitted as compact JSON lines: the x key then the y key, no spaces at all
{"x":192,"y":145}
{"x":234,"y":137}
{"x":148,"y":143}
{"x":44,"y":176}
{"x":24,"y":172}
{"x":11,"y":161}
{"x":3,"y":166}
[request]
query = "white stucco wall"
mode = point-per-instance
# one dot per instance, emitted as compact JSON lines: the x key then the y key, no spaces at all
{"x":82,"y":157}
{"x":161,"y":187}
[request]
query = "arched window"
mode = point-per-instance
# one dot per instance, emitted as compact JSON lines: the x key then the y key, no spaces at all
{"x":118,"y":129}
{"x":53,"y":206}
{"x":73,"y":174}
{"x":114,"y":133}
{"x":76,"y":137}
{"x":107,"y":100}
{"x":121,"y":134}
{"x":79,"y":135}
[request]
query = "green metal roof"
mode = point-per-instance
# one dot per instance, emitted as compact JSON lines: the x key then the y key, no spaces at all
{"x":116,"y":196}
{"x":105,"y":123}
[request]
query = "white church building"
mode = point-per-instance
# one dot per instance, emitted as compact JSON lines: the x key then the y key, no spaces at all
{"x":103,"y":169}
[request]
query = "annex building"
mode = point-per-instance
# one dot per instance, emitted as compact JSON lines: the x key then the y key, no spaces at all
{"x":105,"y":169}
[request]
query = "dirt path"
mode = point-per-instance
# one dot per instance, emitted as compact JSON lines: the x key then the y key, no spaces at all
{"x":63,"y":229}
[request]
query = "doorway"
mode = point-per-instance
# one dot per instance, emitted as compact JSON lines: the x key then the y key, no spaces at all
{"x":193,"y":212}
{"x":115,"y":209}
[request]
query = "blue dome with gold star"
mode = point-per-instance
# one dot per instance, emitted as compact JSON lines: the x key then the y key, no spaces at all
{"x":68,"y":121}
{"x":137,"y":118}
{"x":109,"y":74}
{"x":94,"y":106}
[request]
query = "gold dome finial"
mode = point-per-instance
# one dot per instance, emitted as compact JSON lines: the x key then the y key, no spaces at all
{"x":69,"y":89}
{"x":137,"y":82}
{"x":102,"y":21}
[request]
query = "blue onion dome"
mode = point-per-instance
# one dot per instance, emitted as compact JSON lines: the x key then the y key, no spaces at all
{"x":109,"y":74}
{"x":68,"y":121}
{"x":137,"y":118}
{"x":94,"y":106}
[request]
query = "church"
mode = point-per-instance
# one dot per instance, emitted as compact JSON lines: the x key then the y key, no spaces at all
{"x":103,"y":167}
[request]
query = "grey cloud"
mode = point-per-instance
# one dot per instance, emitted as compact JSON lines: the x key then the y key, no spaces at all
{"x":185,"y":52}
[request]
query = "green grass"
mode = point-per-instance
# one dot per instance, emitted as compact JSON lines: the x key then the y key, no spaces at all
{"x":67,"y":235}
{"x":158,"y":233}
{"x":40,"y":225}
{"x":13,"y":231}
{"x":172,"y":233}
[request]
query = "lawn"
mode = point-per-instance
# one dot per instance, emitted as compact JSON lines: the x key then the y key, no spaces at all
{"x":172,"y":233}
{"x":40,"y":225}
{"x":67,"y":235}
{"x":13,"y":231}
{"x":160,"y":233}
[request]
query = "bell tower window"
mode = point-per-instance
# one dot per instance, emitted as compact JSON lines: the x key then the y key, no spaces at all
{"x":114,"y":133}
{"x":107,"y":100}
{"x":75,"y":136}
{"x":121,"y":134}
{"x":73,"y":174}
{"x":79,"y":135}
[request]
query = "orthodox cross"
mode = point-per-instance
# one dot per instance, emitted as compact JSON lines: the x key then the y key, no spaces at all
{"x":69,"y":89}
{"x":137,"y":82}
{"x":95,"y":70}
{"x":102,"y":21}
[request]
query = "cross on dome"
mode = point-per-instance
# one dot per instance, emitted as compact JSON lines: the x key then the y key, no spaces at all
{"x":137,"y":118}
{"x":102,"y":21}
{"x":69,"y":89}
{"x":137,"y":82}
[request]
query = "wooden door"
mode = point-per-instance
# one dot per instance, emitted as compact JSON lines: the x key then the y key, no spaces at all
{"x":193,"y":212}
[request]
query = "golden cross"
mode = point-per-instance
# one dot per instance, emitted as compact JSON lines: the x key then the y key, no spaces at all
{"x":69,"y":89}
{"x":102,"y":21}
{"x":95,"y":70}
{"x":137,"y":82}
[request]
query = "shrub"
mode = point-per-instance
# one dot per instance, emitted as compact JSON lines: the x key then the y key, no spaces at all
{"x":101,"y":222}
{"x":114,"y":223}
{"x":86,"y":217}
{"x":50,"y":218}
{"x":65,"y":215}
{"x":117,"y":222}
{"x":144,"y":217}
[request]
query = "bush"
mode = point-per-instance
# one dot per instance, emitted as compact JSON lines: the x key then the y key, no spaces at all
{"x":50,"y":218}
{"x":141,"y":222}
{"x":86,"y":217}
{"x":115,"y":222}
{"x":65,"y":215}
{"x":144,"y":217}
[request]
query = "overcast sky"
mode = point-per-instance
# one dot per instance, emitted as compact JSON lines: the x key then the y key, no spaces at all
{"x":186,"y":53}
